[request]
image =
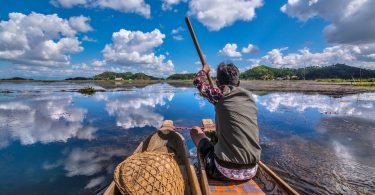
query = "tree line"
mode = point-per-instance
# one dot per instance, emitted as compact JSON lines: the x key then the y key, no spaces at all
{"x":337,"y":71}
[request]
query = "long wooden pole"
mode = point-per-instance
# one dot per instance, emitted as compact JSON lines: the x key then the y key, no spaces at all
{"x":195,"y":40}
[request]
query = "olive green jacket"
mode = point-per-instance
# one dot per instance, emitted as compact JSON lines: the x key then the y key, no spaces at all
{"x":237,"y":129}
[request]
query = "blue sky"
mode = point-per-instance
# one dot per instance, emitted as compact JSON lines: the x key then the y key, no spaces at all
{"x":55,"y":39}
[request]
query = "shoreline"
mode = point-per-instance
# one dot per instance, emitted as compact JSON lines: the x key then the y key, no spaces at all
{"x":252,"y":85}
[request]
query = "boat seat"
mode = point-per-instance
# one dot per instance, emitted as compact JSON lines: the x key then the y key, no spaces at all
{"x":234,"y":187}
{"x":227,"y":187}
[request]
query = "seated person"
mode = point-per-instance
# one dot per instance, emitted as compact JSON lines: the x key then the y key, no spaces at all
{"x":235,"y":155}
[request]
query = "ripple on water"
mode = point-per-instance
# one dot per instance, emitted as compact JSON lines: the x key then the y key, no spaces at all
{"x":330,"y":164}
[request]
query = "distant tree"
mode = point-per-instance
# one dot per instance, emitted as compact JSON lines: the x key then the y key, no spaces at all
{"x":126,"y":76}
{"x":339,"y":71}
{"x":78,"y":78}
{"x":259,"y":72}
{"x":187,"y":76}
{"x":15,"y":79}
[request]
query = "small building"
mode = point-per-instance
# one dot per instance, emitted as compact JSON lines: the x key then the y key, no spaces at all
{"x":294,"y":77}
{"x":118,"y":79}
{"x":267,"y":77}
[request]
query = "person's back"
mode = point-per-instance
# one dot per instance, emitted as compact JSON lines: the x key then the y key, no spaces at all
{"x":237,"y":129}
{"x":237,"y":151}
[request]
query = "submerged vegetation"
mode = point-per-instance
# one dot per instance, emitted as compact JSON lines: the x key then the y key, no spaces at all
{"x":87,"y":90}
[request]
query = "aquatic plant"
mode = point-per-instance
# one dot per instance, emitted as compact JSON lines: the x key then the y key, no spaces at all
{"x":87,"y":90}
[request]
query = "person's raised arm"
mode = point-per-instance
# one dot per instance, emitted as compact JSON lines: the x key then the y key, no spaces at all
{"x":201,"y":81}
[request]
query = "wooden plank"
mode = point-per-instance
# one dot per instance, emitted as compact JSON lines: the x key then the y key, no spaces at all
{"x":208,"y":125}
{"x":203,"y":177}
{"x":276,"y":178}
{"x":209,"y":129}
{"x":234,"y":187}
{"x":112,"y":190}
{"x":193,"y":180}
{"x":213,"y":187}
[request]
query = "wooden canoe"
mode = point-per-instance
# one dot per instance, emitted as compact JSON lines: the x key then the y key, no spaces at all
{"x":167,"y":140}
{"x":265,"y":182}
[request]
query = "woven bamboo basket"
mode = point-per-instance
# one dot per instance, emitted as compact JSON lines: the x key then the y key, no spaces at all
{"x":149,"y":173}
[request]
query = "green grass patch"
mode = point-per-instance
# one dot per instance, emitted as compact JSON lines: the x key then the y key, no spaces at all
{"x":356,"y":82}
{"x":364,"y":84}
{"x":87,"y":90}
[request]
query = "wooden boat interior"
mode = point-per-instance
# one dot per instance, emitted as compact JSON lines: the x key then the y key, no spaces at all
{"x":166,"y":140}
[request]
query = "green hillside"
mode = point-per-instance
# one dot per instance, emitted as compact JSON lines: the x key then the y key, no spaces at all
{"x":125,"y":76}
{"x":340,"y":71}
{"x":16,"y":79}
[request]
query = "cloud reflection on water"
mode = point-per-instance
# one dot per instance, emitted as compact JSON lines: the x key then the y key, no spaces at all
{"x":327,"y":153}
{"x":88,"y":162}
{"x":44,"y":119}
{"x":360,"y":105}
{"x":136,"y":108}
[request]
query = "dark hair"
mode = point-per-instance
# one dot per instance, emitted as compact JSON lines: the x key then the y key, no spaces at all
{"x":227,"y":74}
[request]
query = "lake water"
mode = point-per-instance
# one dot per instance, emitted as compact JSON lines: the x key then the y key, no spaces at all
{"x":54,"y":142}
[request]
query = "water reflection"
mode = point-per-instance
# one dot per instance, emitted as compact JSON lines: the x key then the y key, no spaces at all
{"x":136,"y":108}
{"x":320,"y":144}
{"x":70,"y":143}
{"x":45,"y":119}
{"x":88,"y":162}
{"x":360,"y":105}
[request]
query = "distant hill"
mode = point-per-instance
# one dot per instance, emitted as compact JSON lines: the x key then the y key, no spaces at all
{"x":340,"y":71}
{"x":186,"y":76}
{"x":337,"y":71}
{"x":125,"y":76}
{"x":16,"y":79}
{"x":78,"y":78}
{"x":142,"y":76}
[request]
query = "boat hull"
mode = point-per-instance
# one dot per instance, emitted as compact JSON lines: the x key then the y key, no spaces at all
{"x":166,"y":140}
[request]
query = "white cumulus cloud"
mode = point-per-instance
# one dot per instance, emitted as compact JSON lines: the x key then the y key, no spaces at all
{"x":177,"y":30}
{"x":347,"y":54}
{"x":134,"y":50}
{"x":351,"y":30}
{"x":250,"y":49}
{"x":41,"y":40}
{"x":230,"y":50}
{"x":352,"y":21}
{"x":176,"y":33}
{"x":127,"y":6}
{"x":216,"y":14}
{"x":80,"y":23}
{"x":168,"y":4}
{"x":178,"y":37}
